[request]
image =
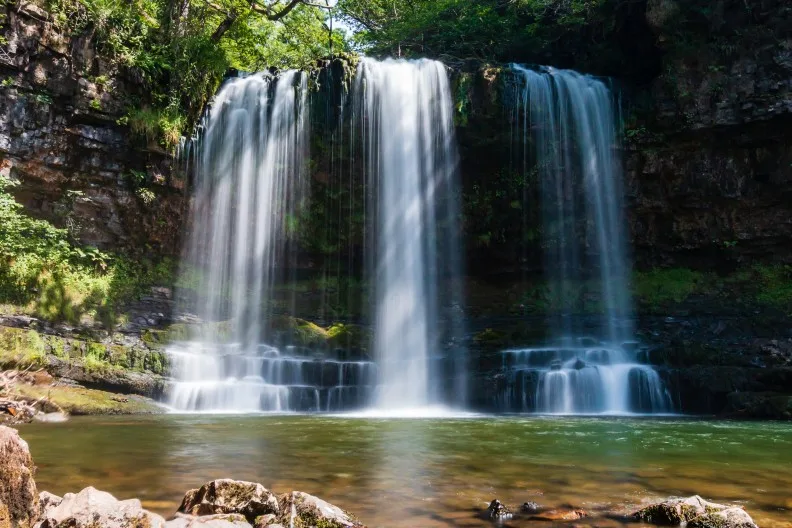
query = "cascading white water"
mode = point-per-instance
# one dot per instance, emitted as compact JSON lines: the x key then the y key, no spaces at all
{"x":249,"y":180}
{"x":409,"y":145}
{"x":567,"y":126}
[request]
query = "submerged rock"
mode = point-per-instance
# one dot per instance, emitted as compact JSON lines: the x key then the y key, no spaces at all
{"x":301,"y":510}
{"x":19,"y":500}
{"x":562,"y":515}
{"x":497,"y":511}
{"x":230,"y":496}
{"x":223,"y":520}
{"x":52,"y":417}
{"x":92,"y":508}
{"x":676,"y":511}
{"x":728,"y":518}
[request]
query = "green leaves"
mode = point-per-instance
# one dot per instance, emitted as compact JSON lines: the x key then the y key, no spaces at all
{"x":514,"y":30}
{"x":182,"y":49}
{"x":44,"y":272}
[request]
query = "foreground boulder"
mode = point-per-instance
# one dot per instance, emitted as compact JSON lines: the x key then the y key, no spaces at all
{"x":696,"y":513}
{"x":92,"y":508}
{"x":675,"y":511}
{"x":223,"y":496}
{"x":301,"y":510}
{"x":19,"y":501}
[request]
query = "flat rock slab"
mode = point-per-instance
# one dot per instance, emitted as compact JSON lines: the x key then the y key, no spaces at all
{"x":222,"y":520}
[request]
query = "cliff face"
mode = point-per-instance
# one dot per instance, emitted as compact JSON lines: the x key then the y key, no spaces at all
{"x":59,"y":138}
{"x":709,"y":161}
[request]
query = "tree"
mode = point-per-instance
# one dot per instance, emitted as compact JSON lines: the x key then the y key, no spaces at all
{"x":182,"y":49}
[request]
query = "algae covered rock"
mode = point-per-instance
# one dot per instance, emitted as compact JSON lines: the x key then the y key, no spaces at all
{"x":19,"y":501}
{"x":728,"y":518}
{"x":224,"y":496}
{"x":676,"y":511}
{"x":301,"y":510}
{"x":92,"y":508}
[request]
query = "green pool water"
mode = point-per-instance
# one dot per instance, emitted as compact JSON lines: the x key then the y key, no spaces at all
{"x":427,"y":472}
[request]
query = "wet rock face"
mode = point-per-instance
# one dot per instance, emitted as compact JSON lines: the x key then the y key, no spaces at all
{"x":91,"y":508}
{"x":59,"y":140}
{"x":226,"y":496}
{"x":709,"y":160}
{"x":19,"y":502}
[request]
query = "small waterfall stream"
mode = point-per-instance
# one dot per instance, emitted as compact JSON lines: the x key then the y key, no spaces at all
{"x":566,"y":123}
{"x":249,"y":169}
{"x":250,"y":166}
{"x":411,"y":159}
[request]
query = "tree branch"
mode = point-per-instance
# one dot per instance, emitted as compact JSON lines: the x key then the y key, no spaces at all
{"x":267,"y":9}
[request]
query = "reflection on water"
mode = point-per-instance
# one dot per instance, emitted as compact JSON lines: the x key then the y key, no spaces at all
{"x":426,"y":472}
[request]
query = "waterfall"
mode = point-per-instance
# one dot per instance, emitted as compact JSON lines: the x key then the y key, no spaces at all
{"x":566,"y":125}
{"x":406,"y":118}
{"x":249,"y":169}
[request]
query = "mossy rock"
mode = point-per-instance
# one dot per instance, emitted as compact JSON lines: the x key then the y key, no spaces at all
{"x":82,"y":401}
{"x":348,"y":336}
{"x":299,"y":332}
{"x":302,"y":510}
{"x":676,"y":511}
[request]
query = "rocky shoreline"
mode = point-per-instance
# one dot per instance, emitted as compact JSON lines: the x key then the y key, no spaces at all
{"x":226,"y":503}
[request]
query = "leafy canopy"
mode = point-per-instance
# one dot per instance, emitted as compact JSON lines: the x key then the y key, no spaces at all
{"x":181,"y":49}
{"x":486,"y":29}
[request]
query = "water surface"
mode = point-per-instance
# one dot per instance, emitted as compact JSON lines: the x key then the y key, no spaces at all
{"x":427,"y":472}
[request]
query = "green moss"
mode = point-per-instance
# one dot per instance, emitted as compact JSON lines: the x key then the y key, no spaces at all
{"x":308,"y":333}
{"x":462,"y":99}
{"x":659,"y":287}
{"x":490,"y":338}
{"x":57,"y":346}
{"x":120,"y":356}
{"x":21,"y":348}
{"x":775,"y":286}
{"x":348,"y":336}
